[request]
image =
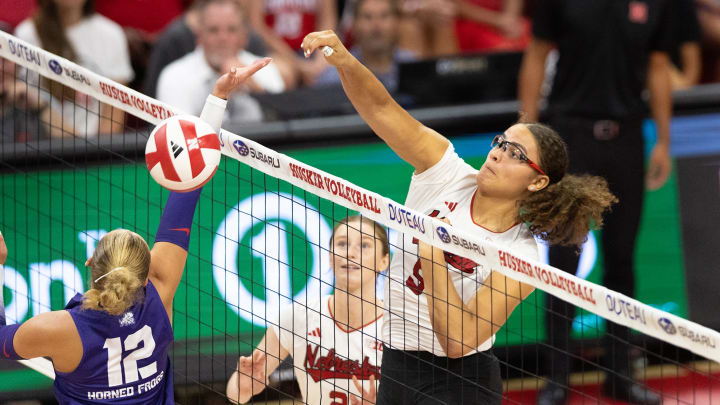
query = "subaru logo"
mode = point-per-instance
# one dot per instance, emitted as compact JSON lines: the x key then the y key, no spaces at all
{"x":667,"y":326}
{"x":55,"y":66}
{"x":443,"y":234}
{"x":241,"y":148}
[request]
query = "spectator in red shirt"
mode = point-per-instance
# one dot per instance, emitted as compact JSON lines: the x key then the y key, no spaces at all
{"x":491,"y":25}
{"x":147,"y":17}
{"x":14,"y":11}
{"x":283,"y":24}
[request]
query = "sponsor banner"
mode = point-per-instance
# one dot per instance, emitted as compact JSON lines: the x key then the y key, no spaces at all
{"x":251,"y":153}
{"x":83,"y":80}
{"x":559,"y":283}
{"x":684,"y":333}
{"x":584,"y":294}
{"x":409,"y":221}
{"x":626,"y":311}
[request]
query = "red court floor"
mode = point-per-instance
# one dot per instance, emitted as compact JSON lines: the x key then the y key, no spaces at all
{"x":689,"y":388}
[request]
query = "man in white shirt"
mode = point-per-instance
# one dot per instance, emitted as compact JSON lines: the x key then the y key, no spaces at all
{"x":221,"y":39}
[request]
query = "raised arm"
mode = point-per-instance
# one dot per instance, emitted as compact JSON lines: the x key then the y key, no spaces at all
{"x":415,"y":143}
{"x":169,"y":252}
{"x":250,"y":376}
{"x":461,"y":327}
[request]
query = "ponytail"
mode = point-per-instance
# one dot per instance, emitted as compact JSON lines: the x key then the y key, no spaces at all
{"x":119,"y":291}
{"x":120,"y":266}
{"x":564,"y":212}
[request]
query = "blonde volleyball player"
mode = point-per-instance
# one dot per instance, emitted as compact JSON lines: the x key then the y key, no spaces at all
{"x":111,"y":344}
{"x":433,"y":354}
{"x":334,"y":339}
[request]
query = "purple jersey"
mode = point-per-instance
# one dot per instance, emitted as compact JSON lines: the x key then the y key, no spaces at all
{"x":125,"y":358}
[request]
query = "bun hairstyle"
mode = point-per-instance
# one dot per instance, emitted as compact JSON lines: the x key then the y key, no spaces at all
{"x":119,"y":268}
{"x":380,"y":233}
{"x":563,"y":212}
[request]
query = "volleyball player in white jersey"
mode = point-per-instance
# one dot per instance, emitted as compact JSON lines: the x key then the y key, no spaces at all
{"x":334,"y":339}
{"x":443,"y":355}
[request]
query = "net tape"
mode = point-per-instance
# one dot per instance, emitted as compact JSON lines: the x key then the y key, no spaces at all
{"x":597,"y":299}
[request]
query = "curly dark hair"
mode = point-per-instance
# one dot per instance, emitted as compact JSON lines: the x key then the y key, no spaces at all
{"x":563,"y":212}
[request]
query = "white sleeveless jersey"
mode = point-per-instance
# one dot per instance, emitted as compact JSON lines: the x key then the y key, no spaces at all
{"x":444,"y":190}
{"x":326,"y":355}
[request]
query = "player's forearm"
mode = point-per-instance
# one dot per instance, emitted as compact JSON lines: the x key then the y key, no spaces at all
{"x":7,"y":337}
{"x":437,"y":305}
{"x":466,"y":330}
{"x":660,"y":95}
{"x":454,"y":323}
{"x":404,"y":134}
{"x":214,"y":109}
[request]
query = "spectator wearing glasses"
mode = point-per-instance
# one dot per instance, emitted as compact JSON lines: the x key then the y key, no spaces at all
{"x":597,"y":103}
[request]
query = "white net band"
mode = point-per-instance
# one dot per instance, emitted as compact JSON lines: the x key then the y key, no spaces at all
{"x":597,"y":299}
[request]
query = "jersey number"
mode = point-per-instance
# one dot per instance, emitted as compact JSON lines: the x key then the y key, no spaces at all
{"x":339,"y":398}
{"x":417,"y":287}
{"x":116,"y":363}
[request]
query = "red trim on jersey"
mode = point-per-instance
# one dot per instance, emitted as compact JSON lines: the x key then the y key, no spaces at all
{"x":342,"y":327}
{"x":472,"y":202}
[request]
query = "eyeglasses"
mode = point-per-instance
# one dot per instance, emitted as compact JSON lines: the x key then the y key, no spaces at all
{"x":515,"y":151}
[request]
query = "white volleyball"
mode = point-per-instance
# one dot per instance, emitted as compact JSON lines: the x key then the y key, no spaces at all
{"x":182,"y":153}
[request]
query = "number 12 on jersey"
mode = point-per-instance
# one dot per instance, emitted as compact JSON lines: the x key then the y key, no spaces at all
{"x":116,"y":363}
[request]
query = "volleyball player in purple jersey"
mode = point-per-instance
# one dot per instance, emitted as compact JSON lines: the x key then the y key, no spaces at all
{"x":111,"y":344}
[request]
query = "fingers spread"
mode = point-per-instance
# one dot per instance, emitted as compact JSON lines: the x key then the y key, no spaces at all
{"x":357,"y":383}
{"x":372,"y":390}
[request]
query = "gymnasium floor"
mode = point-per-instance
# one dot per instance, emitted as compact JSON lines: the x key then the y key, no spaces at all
{"x":679,"y":387}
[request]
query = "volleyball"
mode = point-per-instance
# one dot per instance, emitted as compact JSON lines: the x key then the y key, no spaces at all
{"x":182,"y":153}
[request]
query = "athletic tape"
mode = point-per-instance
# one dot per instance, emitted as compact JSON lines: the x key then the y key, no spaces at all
{"x":609,"y":304}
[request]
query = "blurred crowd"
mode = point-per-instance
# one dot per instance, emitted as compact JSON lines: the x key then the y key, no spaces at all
{"x":175,"y":49}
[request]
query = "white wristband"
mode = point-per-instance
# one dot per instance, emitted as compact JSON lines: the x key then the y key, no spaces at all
{"x":214,"y":111}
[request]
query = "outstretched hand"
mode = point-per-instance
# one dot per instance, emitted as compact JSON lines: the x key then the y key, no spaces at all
{"x":369,"y":396}
{"x":228,"y":82}
{"x":250,"y":376}
{"x":339,"y":56}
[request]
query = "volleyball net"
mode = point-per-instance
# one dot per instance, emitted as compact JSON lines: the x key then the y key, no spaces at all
{"x":260,"y":242}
